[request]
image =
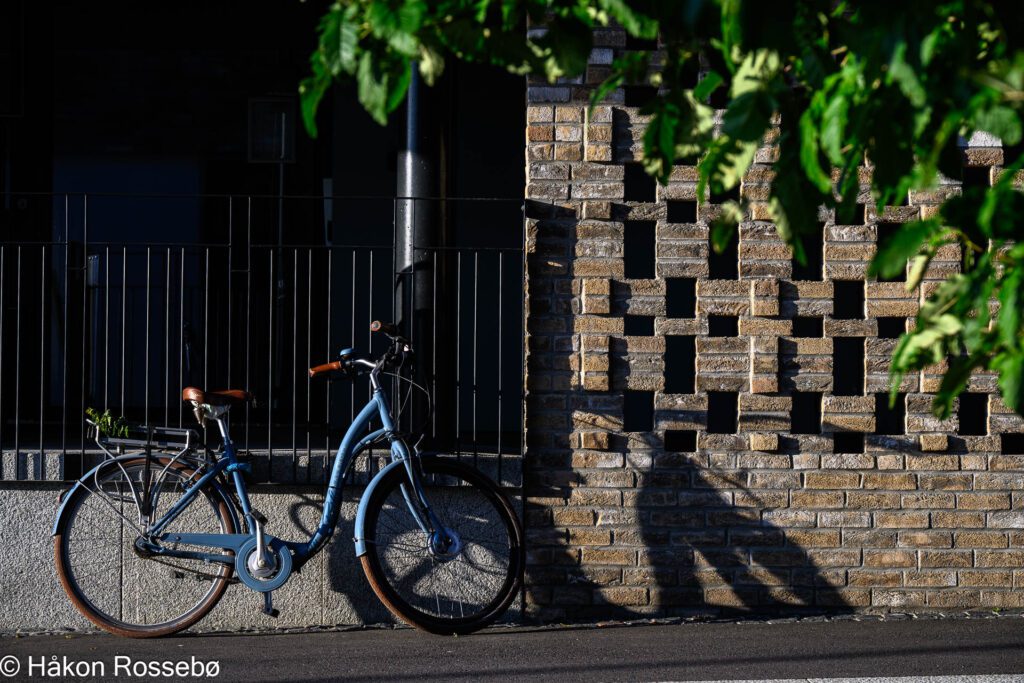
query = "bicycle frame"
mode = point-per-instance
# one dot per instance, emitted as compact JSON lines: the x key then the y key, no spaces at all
{"x":301,"y":551}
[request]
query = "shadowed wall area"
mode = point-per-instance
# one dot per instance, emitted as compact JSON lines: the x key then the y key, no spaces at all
{"x":710,"y":432}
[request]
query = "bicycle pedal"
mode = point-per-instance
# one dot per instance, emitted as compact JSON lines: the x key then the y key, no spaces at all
{"x":268,"y":606}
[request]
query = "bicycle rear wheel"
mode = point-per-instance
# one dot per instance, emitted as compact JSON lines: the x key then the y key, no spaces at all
{"x":446,"y":593}
{"x":120,"y":588}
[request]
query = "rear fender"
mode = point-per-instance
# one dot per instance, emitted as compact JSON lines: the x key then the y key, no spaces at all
{"x":66,"y":496}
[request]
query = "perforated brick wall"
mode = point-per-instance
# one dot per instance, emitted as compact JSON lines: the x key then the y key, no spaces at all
{"x":709,"y":432}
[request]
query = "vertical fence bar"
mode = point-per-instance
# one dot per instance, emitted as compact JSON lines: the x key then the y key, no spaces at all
{"x":270,"y":372}
{"x":167,"y":339}
{"x":124,"y":319}
{"x":352,"y":336}
{"x":85,"y":309}
{"x":17,"y":363}
{"x":206,"y":320}
{"x":182,"y":357}
{"x":295,"y":358}
{"x":145,"y":399}
{"x":248,"y":306}
{"x":64,"y":347}
{"x":42,"y":357}
{"x":3,"y":259}
{"x":327,"y":386}
{"x":476,"y":304}
{"x":501,"y":289}
{"x":106,"y":328}
{"x":231,"y":277}
{"x":309,"y":355}
{"x":432,"y":387}
{"x":458,"y":354}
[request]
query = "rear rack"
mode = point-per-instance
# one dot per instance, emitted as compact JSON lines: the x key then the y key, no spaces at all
{"x":179,"y":444}
{"x":145,"y":437}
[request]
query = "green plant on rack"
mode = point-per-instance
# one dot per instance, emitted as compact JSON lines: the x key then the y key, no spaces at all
{"x":108,"y":425}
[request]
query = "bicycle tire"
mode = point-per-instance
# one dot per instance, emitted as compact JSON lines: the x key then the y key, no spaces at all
{"x":134,"y":570}
{"x":494,"y":514}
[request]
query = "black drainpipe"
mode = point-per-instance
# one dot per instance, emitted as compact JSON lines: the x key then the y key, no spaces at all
{"x":416,"y":219}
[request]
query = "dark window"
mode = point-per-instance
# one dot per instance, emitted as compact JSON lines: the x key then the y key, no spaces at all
{"x":805,"y":417}
{"x":848,"y":366}
{"x":634,"y":43}
{"x":638,"y":411}
{"x":639,"y":249}
{"x":973,"y":414}
{"x":640,"y":325}
{"x":891,"y":327}
{"x":724,"y":266}
{"x":1012,"y":444}
{"x":976,"y":176}
{"x":807,"y":326}
{"x":638,"y":95}
{"x":639,"y":187}
{"x":680,"y":440}
{"x":680,"y":364}
{"x":681,"y":297}
{"x":886,"y":231}
{"x":723,"y":326}
{"x":848,"y":302}
{"x":726,"y":195}
{"x":681,"y":211}
{"x":848,"y":442}
{"x":722,"y":409}
{"x":813,"y":244}
{"x":890,"y":420}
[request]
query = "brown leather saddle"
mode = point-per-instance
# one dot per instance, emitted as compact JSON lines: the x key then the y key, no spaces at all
{"x":223,"y":397}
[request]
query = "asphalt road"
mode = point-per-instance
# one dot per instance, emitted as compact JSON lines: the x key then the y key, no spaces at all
{"x":678,"y":652}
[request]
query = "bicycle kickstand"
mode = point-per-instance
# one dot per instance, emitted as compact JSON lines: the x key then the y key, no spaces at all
{"x":268,"y":605}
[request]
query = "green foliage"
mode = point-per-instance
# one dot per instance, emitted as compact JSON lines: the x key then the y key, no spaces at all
{"x":850,"y":92}
{"x":107,"y":423}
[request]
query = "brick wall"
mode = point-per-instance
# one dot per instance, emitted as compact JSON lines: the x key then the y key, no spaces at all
{"x":708,"y":433}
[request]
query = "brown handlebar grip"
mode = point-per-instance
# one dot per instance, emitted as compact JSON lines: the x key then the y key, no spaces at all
{"x":325,"y":368}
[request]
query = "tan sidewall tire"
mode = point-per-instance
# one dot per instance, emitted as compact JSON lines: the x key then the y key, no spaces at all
{"x":198,"y":613}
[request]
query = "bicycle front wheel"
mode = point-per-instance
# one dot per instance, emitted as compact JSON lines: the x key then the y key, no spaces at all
{"x":115,"y":584}
{"x":453,"y":592}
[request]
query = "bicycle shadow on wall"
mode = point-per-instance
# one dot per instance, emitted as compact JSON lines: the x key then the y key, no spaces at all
{"x":709,"y":540}
{"x":699,"y":531}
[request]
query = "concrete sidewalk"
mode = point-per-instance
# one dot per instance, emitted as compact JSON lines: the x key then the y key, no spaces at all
{"x":805,"y":649}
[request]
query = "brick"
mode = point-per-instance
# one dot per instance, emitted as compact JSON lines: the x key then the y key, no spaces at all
{"x":831,"y":480}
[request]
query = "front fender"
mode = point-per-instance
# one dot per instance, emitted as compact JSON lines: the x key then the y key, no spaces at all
{"x":359,"y":532}
{"x":62,"y":511}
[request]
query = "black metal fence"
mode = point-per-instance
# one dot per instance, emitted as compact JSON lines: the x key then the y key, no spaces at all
{"x":117,"y":302}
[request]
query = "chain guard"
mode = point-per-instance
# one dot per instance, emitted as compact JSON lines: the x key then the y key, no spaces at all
{"x":282,"y":556}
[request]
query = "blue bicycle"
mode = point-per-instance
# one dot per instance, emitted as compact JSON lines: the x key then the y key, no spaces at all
{"x":146,"y":544}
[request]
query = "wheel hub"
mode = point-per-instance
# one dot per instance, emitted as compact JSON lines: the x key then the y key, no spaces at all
{"x":445,"y":544}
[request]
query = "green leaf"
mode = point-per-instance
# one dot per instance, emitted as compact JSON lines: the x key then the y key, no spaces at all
{"x":809,"y":154}
{"x":635,"y":22}
{"x":1010,"y":367}
{"x":833,"y":127}
{"x":724,"y":165}
{"x":906,"y":242}
{"x":431,"y":64}
{"x":1001,"y":121}
{"x":723,"y":228}
{"x":917,"y":270}
{"x":1011,"y":300}
{"x":707,"y":85}
{"x":756,"y":69}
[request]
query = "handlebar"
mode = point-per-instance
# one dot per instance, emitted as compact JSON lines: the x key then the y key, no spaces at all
{"x":399,"y":351}
{"x":390,"y":329}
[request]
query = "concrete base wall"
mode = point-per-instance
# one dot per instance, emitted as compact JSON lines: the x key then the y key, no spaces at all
{"x":330,"y":590}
